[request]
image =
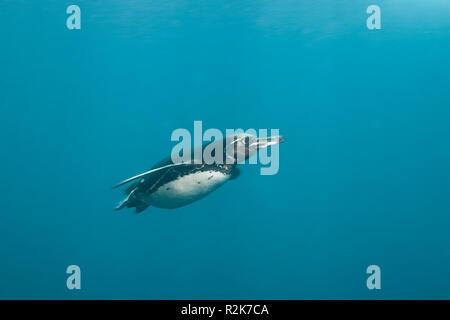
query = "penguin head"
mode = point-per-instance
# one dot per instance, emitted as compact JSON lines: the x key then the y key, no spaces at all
{"x":242,"y":146}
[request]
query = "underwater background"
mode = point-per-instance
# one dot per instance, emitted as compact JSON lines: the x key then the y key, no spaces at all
{"x":364,"y":174}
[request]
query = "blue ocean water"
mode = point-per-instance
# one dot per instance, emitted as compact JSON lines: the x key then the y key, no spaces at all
{"x":364,"y":175}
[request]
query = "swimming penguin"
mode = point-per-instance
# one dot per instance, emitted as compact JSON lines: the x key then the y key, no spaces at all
{"x":172,"y":185}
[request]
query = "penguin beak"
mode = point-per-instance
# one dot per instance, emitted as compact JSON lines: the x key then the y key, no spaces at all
{"x":270,"y":141}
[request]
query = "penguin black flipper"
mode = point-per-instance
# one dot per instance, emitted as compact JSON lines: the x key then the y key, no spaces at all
{"x":153,"y":170}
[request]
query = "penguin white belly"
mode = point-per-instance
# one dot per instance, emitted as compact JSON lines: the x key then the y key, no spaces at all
{"x":186,"y":189}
